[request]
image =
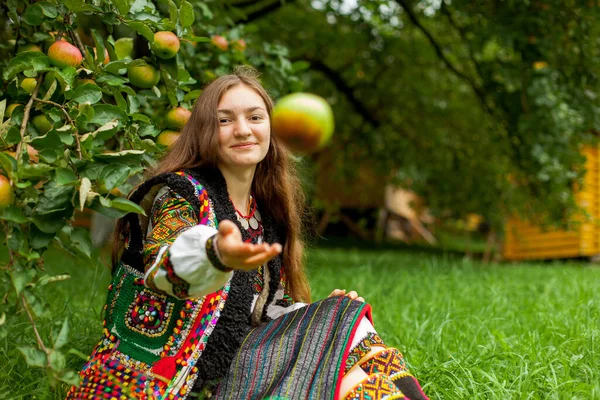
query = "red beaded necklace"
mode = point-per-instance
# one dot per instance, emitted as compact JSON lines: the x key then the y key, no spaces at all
{"x":252,"y":211}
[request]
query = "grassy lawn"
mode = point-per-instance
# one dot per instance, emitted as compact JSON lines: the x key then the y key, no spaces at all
{"x":508,"y":331}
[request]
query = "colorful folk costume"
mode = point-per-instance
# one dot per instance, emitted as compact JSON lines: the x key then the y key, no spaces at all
{"x":179,"y":324}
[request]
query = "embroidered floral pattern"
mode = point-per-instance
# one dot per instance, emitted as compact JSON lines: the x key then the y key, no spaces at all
{"x":149,"y":314}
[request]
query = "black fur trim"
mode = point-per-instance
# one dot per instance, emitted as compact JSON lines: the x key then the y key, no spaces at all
{"x":234,"y":322}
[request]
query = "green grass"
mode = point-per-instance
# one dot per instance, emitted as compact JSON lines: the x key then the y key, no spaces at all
{"x":467,"y":330}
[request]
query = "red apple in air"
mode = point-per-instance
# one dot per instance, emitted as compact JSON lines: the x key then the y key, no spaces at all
{"x":63,"y":54}
{"x":166,"y":44}
{"x":220,"y":42}
{"x":303,"y":121}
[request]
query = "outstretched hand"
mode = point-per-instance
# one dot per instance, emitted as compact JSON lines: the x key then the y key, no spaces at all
{"x":237,"y":254}
{"x":352,"y":295}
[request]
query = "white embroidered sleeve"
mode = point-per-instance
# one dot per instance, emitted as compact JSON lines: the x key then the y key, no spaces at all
{"x":183,"y":270}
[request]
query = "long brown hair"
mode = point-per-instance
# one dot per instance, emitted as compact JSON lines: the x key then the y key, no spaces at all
{"x":276,"y":185}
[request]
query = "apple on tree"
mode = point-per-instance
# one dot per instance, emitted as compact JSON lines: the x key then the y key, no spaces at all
{"x":28,"y":84}
{"x":166,"y":44}
{"x":10,"y":108}
{"x":303,"y":121}
{"x":143,"y":76}
{"x":220,"y":42}
{"x":177,"y":117}
{"x":167,"y":138}
{"x":63,"y":54}
{"x":7,"y":196}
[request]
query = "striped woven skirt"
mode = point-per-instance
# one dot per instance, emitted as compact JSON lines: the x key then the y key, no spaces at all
{"x":300,"y":355}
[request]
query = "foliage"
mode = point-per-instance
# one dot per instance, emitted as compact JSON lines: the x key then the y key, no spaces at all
{"x":80,"y":139}
{"x":481,"y":107}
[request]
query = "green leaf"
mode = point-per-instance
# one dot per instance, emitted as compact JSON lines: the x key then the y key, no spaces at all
{"x":115,"y":66}
{"x":51,"y":222}
{"x":191,"y":96}
{"x":31,"y":171}
{"x":63,"y":336}
{"x":34,"y":15}
{"x":173,"y":13}
{"x":46,"y":279}
{"x":8,"y":163}
{"x":84,"y":189}
{"x":87,"y":94}
{"x":186,"y":14}
{"x":70,"y":377}
{"x":14,"y":214}
{"x":134,"y":104}
{"x":113,"y":176}
{"x":142,"y":29}
{"x":198,"y":39}
{"x":119,"y":99}
{"x":57,"y":360}
{"x":65,"y":134}
{"x":2,"y":109}
{"x":79,"y":354}
{"x":33,"y":356}
{"x":23,"y":61}
{"x":48,"y":9}
{"x":148,"y":130}
{"x":48,"y":155}
{"x":65,"y":176}
{"x":111,"y":79}
{"x":55,"y":198}
{"x":80,"y":237}
{"x":126,"y":205}
{"x":73,"y":5}
{"x":299,"y":66}
{"x":123,"y":5}
{"x":140,"y":117}
{"x":39,"y":239}
{"x":20,"y":277}
{"x":105,"y":113}
{"x":106,"y":211}
{"x":51,"y":90}
{"x":122,"y":157}
{"x":106,"y":131}
{"x":50,"y":140}
{"x":99,"y":46}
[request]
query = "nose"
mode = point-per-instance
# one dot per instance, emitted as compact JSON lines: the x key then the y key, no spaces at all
{"x":242,"y":128}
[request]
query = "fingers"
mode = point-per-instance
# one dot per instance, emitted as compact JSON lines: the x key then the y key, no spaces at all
{"x":352,"y":295}
{"x":247,"y":256}
{"x":264,"y":256}
{"x":226,"y":227}
{"x":338,"y":292}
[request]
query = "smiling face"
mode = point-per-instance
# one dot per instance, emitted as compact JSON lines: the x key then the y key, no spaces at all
{"x":244,"y":128}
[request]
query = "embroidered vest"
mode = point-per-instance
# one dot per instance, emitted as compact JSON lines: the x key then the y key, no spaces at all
{"x":157,"y":346}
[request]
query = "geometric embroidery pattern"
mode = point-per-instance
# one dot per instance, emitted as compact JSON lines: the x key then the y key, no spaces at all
{"x":361,"y":349}
{"x":375,"y":387}
{"x":149,"y":314}
{"x":389,"y":362}
{"x":180,"y":286}
{"x":110,"y":381}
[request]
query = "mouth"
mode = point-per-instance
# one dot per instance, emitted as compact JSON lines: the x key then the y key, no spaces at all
{"x":244,"y":145}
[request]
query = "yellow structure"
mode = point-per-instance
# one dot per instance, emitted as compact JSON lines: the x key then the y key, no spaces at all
{"x":524,"y":241}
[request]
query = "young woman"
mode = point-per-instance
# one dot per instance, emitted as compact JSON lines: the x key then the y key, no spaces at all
{"x":209,"y":297}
